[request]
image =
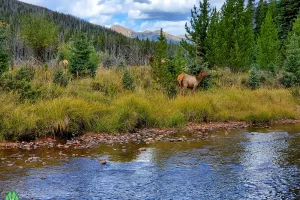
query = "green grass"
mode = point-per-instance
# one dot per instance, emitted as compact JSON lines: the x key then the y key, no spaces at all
{"x":101,"y":104}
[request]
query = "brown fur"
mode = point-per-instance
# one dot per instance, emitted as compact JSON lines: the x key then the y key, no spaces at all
{"x":151,"y":59}
{"x":65,"y":64}
{"x":190,"y":81}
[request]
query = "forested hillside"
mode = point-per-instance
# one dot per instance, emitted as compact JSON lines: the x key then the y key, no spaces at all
{"x":119,"y":47}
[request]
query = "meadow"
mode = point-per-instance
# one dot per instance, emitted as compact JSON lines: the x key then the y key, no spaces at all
{"x":102,"y":104}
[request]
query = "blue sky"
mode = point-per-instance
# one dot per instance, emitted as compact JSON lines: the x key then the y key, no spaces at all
{"x":138,"y":15}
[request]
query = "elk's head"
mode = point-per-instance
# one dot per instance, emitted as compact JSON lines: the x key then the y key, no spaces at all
{"x":204,"y":73}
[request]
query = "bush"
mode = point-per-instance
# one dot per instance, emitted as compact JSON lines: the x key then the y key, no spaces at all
{"x":288,"y":79}
{"x":106,"y":60}
{"x":109,"y":89}
{"x":254,"y":80}
{"x":21,"y":83}
{"x":127,"y":80}
{"x":60,"y":78}
{"x":121,"y":64}
{"x":26,"y":74}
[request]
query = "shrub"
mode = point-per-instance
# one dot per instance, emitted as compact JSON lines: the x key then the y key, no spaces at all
{"x":21,"y":83}
{"x":107,"y":60}
{"x":288,"y":79}
{"x":127,"y":80}
{"x":254,"y":80}
{"x":26,"y":74}
{"x":121,"y":64}
{"x":60,"y":78}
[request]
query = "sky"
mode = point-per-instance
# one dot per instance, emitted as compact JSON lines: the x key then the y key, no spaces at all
{"x":137,"y":15}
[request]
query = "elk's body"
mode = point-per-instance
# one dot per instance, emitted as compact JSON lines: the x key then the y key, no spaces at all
{"x":190,"y":81}
{"x":64,"y":64}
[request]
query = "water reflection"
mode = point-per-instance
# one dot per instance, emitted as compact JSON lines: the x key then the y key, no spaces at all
{"x":239,"y":165}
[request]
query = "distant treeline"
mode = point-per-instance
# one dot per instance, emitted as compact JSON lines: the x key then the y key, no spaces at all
{"x":119,"y":47}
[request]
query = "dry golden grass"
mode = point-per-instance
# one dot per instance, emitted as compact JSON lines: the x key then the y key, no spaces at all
{"x":101,"y":104}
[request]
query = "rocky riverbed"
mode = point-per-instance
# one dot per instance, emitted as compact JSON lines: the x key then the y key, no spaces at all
{"x":147,"y":136}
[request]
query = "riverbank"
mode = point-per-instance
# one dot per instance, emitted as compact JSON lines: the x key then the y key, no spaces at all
{"x":142,"y":136}
{"x":103,"y":105}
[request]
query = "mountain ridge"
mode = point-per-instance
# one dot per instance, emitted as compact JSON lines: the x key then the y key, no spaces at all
{"x":151,"y":35}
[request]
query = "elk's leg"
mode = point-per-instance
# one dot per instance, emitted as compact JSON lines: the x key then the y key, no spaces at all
{"x":184,"y":91}
{"x":179,"y":90}
{"x":193,"y":90}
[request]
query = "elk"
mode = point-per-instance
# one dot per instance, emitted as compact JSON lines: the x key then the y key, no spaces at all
{"x":151,"y":59}
{"x":190,"y":81}
{"x":64,"y":63}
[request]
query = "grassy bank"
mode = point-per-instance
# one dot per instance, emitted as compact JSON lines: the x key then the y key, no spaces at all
{"x":101,"y":104}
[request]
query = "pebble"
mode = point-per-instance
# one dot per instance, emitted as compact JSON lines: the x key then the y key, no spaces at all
{"x":10,"y":164}
{"x":103,"y":162}
{"x":142,"y":149}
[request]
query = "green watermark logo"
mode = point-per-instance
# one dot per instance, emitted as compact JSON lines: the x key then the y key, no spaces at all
{"x":12,"y":195}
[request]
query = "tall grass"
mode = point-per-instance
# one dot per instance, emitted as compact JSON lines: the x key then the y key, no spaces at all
{"x":101,"y":104}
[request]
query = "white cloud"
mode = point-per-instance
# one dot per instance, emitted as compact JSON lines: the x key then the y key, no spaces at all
{"x":170,"y":15}
{"x":104,"y":20}
{"x":174,"y":28}
{"x":136,"y":14}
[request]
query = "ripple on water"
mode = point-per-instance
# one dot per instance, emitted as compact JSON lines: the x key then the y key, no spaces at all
{"x":245,"y":165}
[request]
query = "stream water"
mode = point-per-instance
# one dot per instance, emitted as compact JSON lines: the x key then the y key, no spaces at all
{"x":241,"y":164}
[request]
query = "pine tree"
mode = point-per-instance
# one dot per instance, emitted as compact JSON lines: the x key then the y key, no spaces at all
{"x":128,"y":81}
{"x":83,"y":58}
{"x":295,"y":30}
{"x":4,"y":50}
{"x":159,"y":66}
{"x":287,"y":13}
{"x":235,"y":39}
{"x":292,"y":61}
{"x":291,"y":75}
{"x":254,"y":81}
{"x":163,"y":72}
{"x":197,"y":33}
{"x":226,"y":28}
{"x":212,"y":40}
{"x":268,"y":44}
{"x":260,"y":15}
{"x":241,"y":53}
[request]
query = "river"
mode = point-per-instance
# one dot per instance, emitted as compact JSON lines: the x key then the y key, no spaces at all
{"x":252,"y":163}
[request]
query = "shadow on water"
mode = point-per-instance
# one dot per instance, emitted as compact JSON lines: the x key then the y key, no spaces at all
{"x":241,"y":164}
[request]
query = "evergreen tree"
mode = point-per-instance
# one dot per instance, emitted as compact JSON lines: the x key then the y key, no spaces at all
{"x":39,"y":32}
{"x":235,"y":38}
{"x":287,"y":13}
{"x":178,"y":64}
{"x":260,"y":15}
{"x":83,"y":58}
{"x":291,"y":75}
{"x":212,"y":40}
{"x":162,"y":70}
{"x":254,"y":81}
{"x":292,"y":61}
{"x":241,"y":52}
{"x":4,"y":50}
{"x":295,"y":30}
{"x":197,"y":32}
{"x":226,"y":28}
{"x":128,"y":81}
{"x":268,"y":44}
{"x":159,"y":66}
